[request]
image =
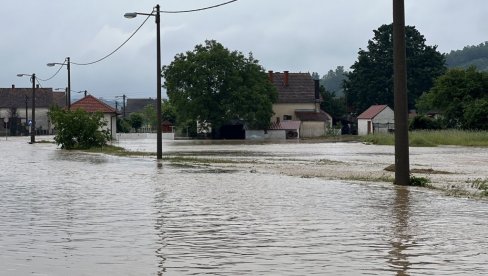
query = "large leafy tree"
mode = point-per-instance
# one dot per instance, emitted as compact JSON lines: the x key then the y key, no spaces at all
{"x":215,"y":85}
{"x":79,"y":129}
{"x":371,"y":79}
{"x":461,"y":96}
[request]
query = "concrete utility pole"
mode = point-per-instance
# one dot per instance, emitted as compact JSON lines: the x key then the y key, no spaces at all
{"x":402,"y":163}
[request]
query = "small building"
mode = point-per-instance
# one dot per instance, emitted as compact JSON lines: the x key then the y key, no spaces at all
{"x":91,"y":104}
{"x":376,"y":119}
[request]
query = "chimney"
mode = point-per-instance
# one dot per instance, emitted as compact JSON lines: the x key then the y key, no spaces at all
{"x":270,"y":75}
{"x":37,"y":85}
{"x":286,"y":78}
{"x":13,"y":86}
{"x":317,"y":95}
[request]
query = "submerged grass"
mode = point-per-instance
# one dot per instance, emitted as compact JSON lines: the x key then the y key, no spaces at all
{"x":431,"y":138}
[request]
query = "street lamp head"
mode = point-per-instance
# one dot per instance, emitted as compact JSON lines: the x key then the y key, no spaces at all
{"x":130,"y":15}
{"x":24,"y":75}
{"x":51,"y":64}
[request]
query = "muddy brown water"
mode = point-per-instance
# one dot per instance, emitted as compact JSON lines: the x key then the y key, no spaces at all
{"x":72,"y":213}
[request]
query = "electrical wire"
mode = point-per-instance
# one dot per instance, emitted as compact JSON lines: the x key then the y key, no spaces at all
{"x":118,"y":48}
{"x":55,"y":74}
{"x":137,"y":30}
{"x":201,"y":9}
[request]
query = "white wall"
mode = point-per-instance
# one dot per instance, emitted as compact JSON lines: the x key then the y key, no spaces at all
{"x":312,"y":129}
{"x":385,"y":116}
{"x":270,"y":135}
{"x":363,"y":126}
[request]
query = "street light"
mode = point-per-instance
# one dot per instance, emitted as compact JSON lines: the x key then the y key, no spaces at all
{"x":157,"y":15}
{"x":33,"y":119}
{"x":68,"y":92}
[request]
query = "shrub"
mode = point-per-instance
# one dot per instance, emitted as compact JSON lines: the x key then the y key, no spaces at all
{"x":424,"y":122}
{"x":79,"y":129}
{"x":419,"y":181}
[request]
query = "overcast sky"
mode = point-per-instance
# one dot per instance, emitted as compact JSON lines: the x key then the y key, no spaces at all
{"x":298,"y":36}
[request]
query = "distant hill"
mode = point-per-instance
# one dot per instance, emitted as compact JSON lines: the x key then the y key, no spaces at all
{"x":469,"y":56}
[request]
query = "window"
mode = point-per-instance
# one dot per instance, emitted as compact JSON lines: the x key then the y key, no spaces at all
{"x":287,"y":117}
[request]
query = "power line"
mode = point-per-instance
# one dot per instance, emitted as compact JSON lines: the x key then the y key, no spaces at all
{"x":55,"y":74}
{"x":137,"y":30}
{"x":201,"y":9}
{"x":118,"y":48}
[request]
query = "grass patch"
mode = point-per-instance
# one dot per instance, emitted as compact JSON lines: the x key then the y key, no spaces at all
{"x":481,"y":185}
{"x":419,"y":181}
{"x":118,"y":151}
{"x":432,"y":138}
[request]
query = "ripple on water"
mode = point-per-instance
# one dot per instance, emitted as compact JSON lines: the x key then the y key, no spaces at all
{"x":87,"y":214}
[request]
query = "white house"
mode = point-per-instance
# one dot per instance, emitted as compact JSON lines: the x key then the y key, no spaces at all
{"x":376,"y":119}
{"x":92,"y":104}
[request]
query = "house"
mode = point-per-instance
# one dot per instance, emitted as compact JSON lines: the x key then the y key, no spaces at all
{"x":138,"y":105}
{"x":376,"y":119}
{"x":299,"y":100}
{"x":16,"y":104}
{"x":92,"y":105}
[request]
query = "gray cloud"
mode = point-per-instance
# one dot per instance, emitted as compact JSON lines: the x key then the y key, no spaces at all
{"x":306,"y":36}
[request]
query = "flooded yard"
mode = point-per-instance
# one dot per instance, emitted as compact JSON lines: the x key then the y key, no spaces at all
{"x":264,"y":209}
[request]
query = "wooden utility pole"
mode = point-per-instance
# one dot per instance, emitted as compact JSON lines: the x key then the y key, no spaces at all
{"x":402,"y":163}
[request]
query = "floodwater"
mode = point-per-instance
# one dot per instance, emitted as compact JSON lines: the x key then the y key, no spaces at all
{"x":72,"y":213}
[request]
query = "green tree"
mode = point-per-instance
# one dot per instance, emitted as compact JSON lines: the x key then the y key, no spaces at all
{"x":123,"y":125}
{"x":333,"y":105}
{"x":78,"y":129}
{"x":136,"y":120}
{"x":469,"y":56}
{"x":460,"y":96}
{"x":333,"y":81}
{"x":216,"y":85}
{"x":371,"y":79}
{"x":168,"y":111}
{"x":150,"y":116}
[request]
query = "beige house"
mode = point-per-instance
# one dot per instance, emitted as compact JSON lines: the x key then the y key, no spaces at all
{"x":92,"y":104}
{"x":299,"y":100}
{"x":16,"y":105}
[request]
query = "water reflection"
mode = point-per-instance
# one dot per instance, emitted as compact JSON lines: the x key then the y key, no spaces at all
{"x":401,"y":240}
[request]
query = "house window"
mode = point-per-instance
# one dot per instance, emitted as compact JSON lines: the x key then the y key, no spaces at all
{"x":287,"y":117}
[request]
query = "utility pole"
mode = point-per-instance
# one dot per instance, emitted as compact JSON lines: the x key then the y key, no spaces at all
{"x":123,"y":103}
{"x":33,"y":124}
{"x":26,"y":106}
{"x":402,"y":163}
{"x":68,"y":65}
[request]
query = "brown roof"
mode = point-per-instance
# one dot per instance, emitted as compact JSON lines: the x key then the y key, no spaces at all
{"x":137,"y":105}
{"x":92,"y":104}
{"x":312,"y":116}
{"x":372,"y":111}
{"x":45,"y":98}
{"x":300,"y":88}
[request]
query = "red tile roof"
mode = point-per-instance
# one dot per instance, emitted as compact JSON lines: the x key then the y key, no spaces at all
{"x":298,"y":88}
{"x":285,"y":125}
{"x":92,"y":104}
{"x":372,"y":111}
